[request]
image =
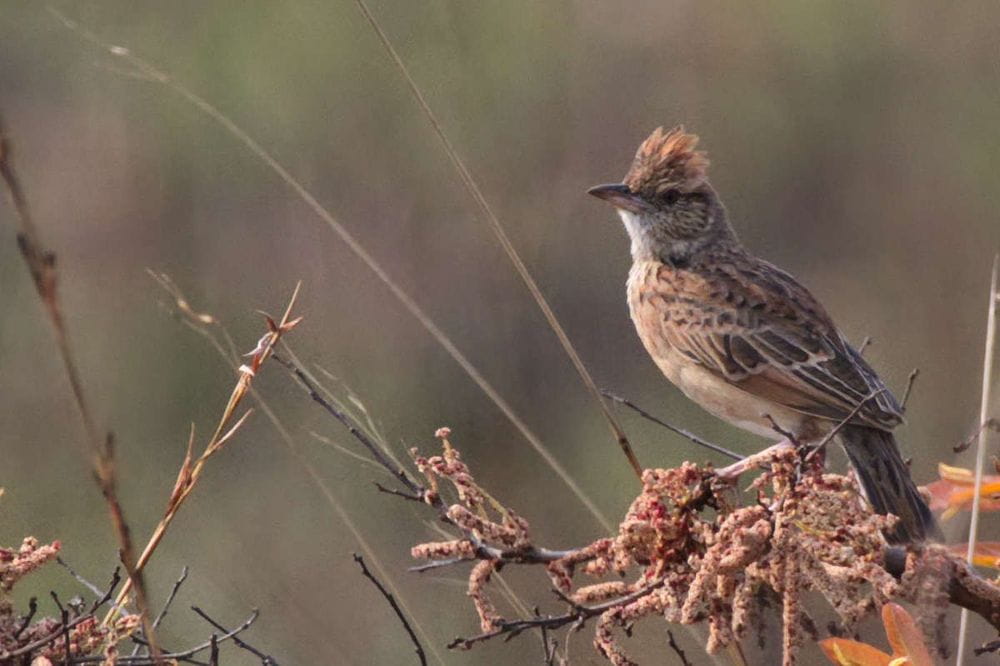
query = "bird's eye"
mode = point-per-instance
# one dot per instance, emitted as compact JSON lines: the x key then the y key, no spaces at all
{"x":671,"y":197}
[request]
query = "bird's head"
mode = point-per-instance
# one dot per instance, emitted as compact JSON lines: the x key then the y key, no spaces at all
{"x":665,"y":201}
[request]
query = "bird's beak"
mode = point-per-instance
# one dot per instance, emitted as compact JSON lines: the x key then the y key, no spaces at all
{"x":620,"y":196}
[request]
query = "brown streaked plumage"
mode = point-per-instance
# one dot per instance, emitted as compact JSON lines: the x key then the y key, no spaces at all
{"x":741,"y":337}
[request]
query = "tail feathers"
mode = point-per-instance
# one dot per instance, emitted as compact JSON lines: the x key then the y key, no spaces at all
{"x":885,"y":480}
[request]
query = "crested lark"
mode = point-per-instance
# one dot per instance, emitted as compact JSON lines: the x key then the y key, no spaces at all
{"x":744,"y":339}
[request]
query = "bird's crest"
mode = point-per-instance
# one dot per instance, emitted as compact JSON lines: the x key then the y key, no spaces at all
{"x":667,"y":160}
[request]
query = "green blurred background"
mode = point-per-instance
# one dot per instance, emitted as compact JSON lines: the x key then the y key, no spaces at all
{"x":855,"y":144}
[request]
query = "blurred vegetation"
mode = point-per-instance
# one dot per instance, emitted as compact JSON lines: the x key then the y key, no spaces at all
{"x":855,"y":144}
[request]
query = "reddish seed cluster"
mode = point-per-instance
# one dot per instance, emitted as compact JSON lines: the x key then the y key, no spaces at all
{"x":88,"y":637}
{"x":686,"y":552}
{"x":15,"y":564}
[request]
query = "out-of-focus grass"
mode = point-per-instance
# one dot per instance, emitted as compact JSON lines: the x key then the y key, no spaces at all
{"x":852,"y":144}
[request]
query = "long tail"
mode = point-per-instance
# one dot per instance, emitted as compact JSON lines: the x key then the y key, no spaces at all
{"x":886,"y":482}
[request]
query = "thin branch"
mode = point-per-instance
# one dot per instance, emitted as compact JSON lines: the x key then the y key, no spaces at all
{"x":395,"y":608}
{"x":984,"y":406}
{"x":669,"y":426}
{"x":398,"y":493}
{"x":139,"y":660}
{"x":64,"y":619}
{"x":864,"y":345}
{"x":96,"y":591}
{"x":32,"y":609}
{"x":41,"y":264}
{"x":677,"y":649}
{"x":106,"y":597}
{"x":190,"y":472}
{"x":206,"y":326}
{"x":307,"y":382}
{"x":166,"y":606}
{"x":549,"y":645}
{"x":991,"y":424}
{"x":508,"y":247}
{"x":340,"y":448}
{"x":986,"y":648}
{"x":170,"y":598}
{"x":153,"y":74}
{"x":107,"y":480}
{"x":578,"y":615}
{"x":909,"y":387}
{"x":7,"y":657}
{"x":840,"y":426}
{"x":436,"y":564}
{"x":531,"y":554}
{"x":264,"y":658}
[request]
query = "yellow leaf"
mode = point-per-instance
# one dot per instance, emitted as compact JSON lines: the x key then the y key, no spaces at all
{"x":959,"y":475}
{"x":904,"y":636}
{"x":986,"y":553}
{"x":845,"y":652}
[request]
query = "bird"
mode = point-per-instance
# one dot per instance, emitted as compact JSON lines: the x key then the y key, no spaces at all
{"x":744,"y":339}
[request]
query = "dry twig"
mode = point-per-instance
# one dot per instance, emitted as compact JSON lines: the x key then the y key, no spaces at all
{"x":395,"y":608}
{"x":145,"y":71}
{"x":191,"y":469}
{"x":670,"y":426}
{"x":501,"y":235}
{"x":41,"y":263}
{"x":265,"y":659}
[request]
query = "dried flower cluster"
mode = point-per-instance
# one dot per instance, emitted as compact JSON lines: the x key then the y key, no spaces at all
{"x":687,"y":552}
{"x":16,"y":564}
{"x":86,"y":635}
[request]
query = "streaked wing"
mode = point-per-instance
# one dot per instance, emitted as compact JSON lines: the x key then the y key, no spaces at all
{"x":754,"y":324}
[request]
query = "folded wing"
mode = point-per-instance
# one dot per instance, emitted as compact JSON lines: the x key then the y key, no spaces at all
{"x":754,"y":324}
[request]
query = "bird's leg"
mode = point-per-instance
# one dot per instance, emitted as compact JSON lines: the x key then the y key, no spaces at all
{"x":733,"y":472}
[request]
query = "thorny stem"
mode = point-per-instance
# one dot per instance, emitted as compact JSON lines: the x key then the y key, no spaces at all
{"x":226,"y":428}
